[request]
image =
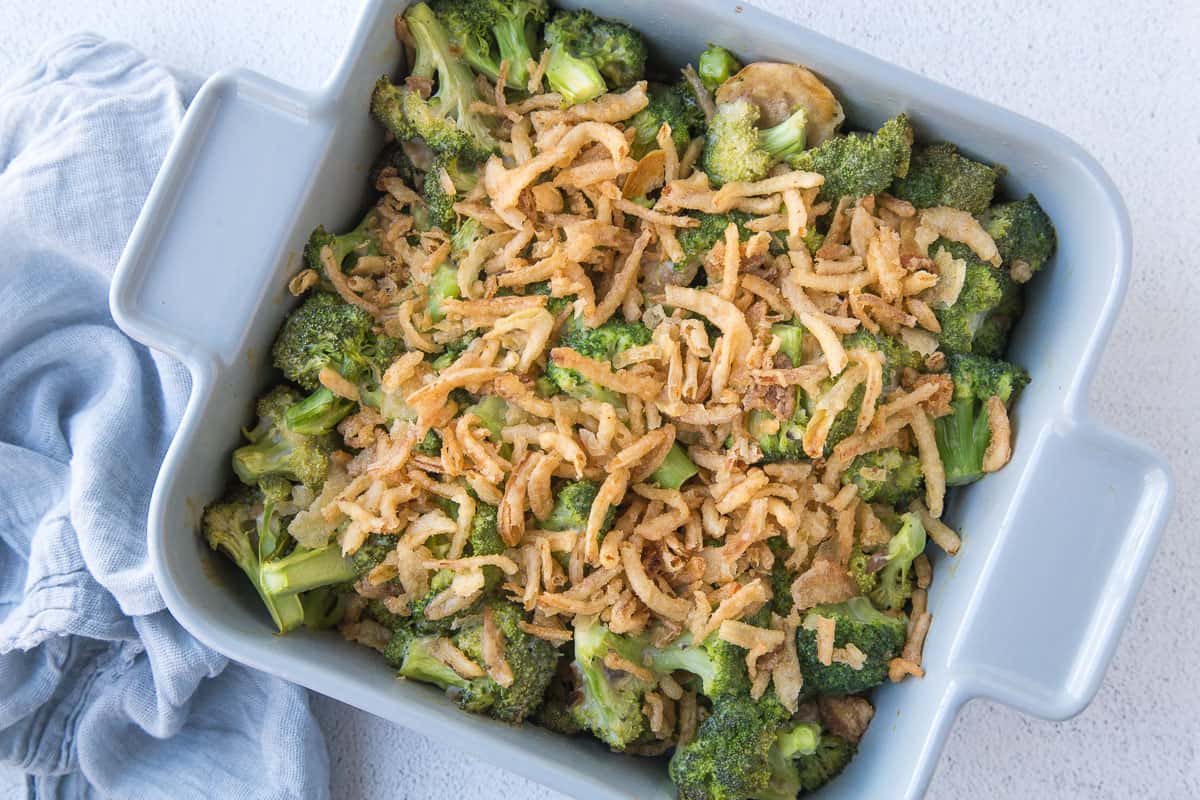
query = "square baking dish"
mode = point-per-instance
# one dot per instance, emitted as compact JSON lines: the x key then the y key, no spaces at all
{"x":1055,"y":545}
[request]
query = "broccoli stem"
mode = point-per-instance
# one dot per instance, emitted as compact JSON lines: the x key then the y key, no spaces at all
{"x":267,"y":456}
{"x":304,"y":570}
{"x":791,"y":341}
{"x":962,"y":439}
{"x":514,"y":48}
{"x":318,"y":413}
{"x":492,"y":412}
{"x":675,"y":469}
{"x":786,"y":138}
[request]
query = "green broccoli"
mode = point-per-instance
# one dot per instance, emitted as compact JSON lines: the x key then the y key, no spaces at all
{"x":941,"y":176}
{"x":989,"y":301}
{"x":439,"y":203}
{"x":675,"y":469}
{"x":610,"y":701}
{"x":886,"y":578}
{"x":590,"y":55}
{"x":856,"y":165}
{"x":963,"y":436}
{"x":444,"y":121}
{"x":720,"y":666}
{"x":779,"y":440}
{"x":276,"y":450}
{"x":791,"y":342}
{"x":730,"y":758}
{"x":443,"y":286}
{"x":371,"y":553}
{"x":243,"y":525}
{"x":393,"y":160}
{"x":1023,"y":233}
{"x":326,"y":332}
{"x":453,"y":351}
{"x":555,"y":713}
{"x":531,"y":660}
{"x":896,"y":355}
{"x":737,"y":150}
{"x":715,"y":66}
{"x":487,"y":32}
{"x":674,"y":105}
{"x":792,"y":744}
{"x":573,"y":505}
{"x":886,"y":476}
{"x":318,"y":413}
{"x":878,"y":636}
{"x":696,"y":242}
{"x":303,"y":570}
{"x":601,"y":344}
{"x":345,"y":248}
{"x":553,"y":304}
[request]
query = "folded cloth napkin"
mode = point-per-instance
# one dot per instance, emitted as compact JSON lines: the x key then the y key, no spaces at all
{"x":102,"y":693}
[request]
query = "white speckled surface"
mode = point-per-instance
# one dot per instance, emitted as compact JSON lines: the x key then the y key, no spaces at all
{"x":1123,"y":85}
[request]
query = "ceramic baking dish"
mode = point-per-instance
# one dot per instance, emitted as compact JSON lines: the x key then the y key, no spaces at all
{"x":1055,"y":545}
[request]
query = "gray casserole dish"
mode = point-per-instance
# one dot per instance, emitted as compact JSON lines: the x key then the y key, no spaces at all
{"x":1055,"y":546}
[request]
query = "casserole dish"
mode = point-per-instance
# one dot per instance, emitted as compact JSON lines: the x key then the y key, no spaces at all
{"x":1055,"y":545}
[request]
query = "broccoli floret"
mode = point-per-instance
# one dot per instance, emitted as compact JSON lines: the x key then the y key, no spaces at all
{"x":484,"y":536}
{"x":885,"y":476}
{"x":989,"y":299}
{"x":779,"y":440}
{"x":696,"y":242}
{"x":230,"y":525}
{"x":877,"y":635}
{"x":601,"y":344}
{"x":555,"y":713}
{"x":553,"y":304}
{"x":490,"y":31}
{"x":816,"y":769}
{"x":737,"y":150}
{"x":896,"y":356}
{"x":393,"y":160}
{"x":674,"y":105}
{"x":438,"y":202}
{"x":792,"y":743}
{"x":941,"y":176}
{"x":886,"y":578}
{"x":276,"y":450}
{"x":610,"y":701}
{"x":730,"y":757}
{"x":444,"y":120}
{"x":716,"y":65}
{"x":791,"y":341}
{"x":674,"y":470}
{"x":324,"y":607}
{"x":453,"y":351}
{"x":430,"y":444}
{"x":371,"y":553}
{"x":860,"y":164}
{"x":345,"y":248}
{"x":573,"y":506}
{"x":963,"y":436}
{"x":589,"y":55}
{"x":1022,"y":231}
{"x":327,"y":332}
{"x":244,"y":526}
{"x":721,"y":666}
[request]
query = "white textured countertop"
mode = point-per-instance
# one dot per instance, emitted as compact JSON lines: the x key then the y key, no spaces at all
{"x":1119,"y":80}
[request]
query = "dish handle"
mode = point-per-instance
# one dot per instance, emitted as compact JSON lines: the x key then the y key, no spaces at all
{"x":223,"y":202}
{"x":1086,"y":519}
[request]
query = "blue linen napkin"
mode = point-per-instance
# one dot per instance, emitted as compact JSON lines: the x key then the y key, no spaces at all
{"x":102,"y":693}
